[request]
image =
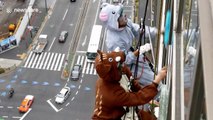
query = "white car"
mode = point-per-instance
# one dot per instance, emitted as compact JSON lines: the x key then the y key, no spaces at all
{"x":63,"y":95}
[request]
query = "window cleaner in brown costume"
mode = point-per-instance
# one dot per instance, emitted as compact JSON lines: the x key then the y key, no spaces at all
{"x":110,"y":96}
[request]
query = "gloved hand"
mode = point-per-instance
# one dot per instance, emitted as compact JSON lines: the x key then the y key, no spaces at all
{"x":191,"y":51}
{"x":145,"y":48}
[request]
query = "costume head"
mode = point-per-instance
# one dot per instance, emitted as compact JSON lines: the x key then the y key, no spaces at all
{"x":112,"y":15}
{"x":120,"y":30}
{"x":109,"y":65}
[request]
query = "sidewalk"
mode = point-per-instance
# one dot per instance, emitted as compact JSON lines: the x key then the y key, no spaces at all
{"x":7,"y":63}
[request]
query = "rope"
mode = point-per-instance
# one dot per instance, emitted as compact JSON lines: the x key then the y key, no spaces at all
{"x":137,"y":60}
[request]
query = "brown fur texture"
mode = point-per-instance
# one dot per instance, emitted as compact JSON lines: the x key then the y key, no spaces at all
{"x":110,"y":96}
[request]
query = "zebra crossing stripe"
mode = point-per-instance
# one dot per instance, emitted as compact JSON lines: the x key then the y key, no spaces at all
{"x":34,"y":62}
{"x":48,"y":66}
{"x":38,"y":63}
{"x":53,"y":63}
{"x":88,"y":66}
{"x":78,"y":60}
{"x":46,"y":60}
{"x":30,"y":63}
{"x":42,"y":61}
{"x":26,"y":63}
{"x":59,"y":67}
{"x":91,"y":68}
{"x":82,"y":60}
{"x":57,"y":62}
{"x":84,"y":68}
{"x":95,"y":73}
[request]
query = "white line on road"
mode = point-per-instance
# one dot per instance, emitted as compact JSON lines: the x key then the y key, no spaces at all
{"x":81,"y":51}
{"x":25,"y":114}
{"x":9,"y":106}
{"x":65,"y":14}
{"x":52,"y":43}
{"x":76,"y":93}
{"x":67,"y":104}
{"x":16,"y":117}
{"x":57,"y":110}
{"x":72,"y":98}
{"x":85,"y":39}
{"x":60,"y":64}
{"x":79,"y":87}
{"x":1,"y":106}
{"x":78,"y":60}
{"x":5,"y":116}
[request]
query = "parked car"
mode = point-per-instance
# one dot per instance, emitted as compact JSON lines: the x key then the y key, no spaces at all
{"x":62,"y":95}
{"x":72,"y":0}
{"x":63,"y":36}
{"x":76,"y":72}
{"x":26,"y":103}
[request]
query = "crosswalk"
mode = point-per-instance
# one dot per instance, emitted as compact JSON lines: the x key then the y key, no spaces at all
{"x":88,"y":67}
{"x":54,"y":61}
{"x":45,"y":60}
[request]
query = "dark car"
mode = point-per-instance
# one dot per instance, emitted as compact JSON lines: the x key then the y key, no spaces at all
{"x":76,"y":71}
{"x":63,"y":36}
{"x":72,"y":0}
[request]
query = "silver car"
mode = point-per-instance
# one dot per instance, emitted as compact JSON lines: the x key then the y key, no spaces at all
{"x":63,"y":95}
{"x":76,"y":72}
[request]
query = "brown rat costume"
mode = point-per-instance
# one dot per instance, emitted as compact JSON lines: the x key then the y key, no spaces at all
{"x":110,"y":96}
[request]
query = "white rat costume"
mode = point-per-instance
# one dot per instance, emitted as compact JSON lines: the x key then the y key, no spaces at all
{"x":123,"y":37}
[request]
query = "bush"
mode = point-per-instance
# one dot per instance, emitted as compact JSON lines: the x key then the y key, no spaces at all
{"x":2,"y":70}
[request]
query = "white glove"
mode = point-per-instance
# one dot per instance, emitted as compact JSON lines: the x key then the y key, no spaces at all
{"x":191,"y":51}
{"x":145,"y":48}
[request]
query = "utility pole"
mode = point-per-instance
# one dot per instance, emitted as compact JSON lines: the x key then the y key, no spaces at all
{"x":46,"y":5}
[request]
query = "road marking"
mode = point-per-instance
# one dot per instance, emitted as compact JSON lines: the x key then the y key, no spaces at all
{"x":81,"y":51}
{"x":85,"y":39}
{"x":67,"y":104}
{"x":78,"y":60}
{"x":9,"y":106}
{"x":53,"y":63}
{"x":40,"y":56}
{"x":28,"y":59}
{"x":57,"y":62}
{"x":16,"y":117}
{"x":88,"y":66}
{"x":1,"y":106}
{"x":72,"y":98}
{"x":91,"y":68}
{"x":45,"y":64}
{"x":25,"y":114}
{"x":5,"y":116}
{"x":57,"y":110}
{"x":42,"y":61}
{"x":52,"y":43}
{"x":31,"y":61}
{"x":48,"y":66}
{"x":82,"y":60}
{"x":79,"y":87}
{"x":59,"y":67}
{"x":76,"y":93}
{"x":65,"y":14}
{"x":35,"y":60}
